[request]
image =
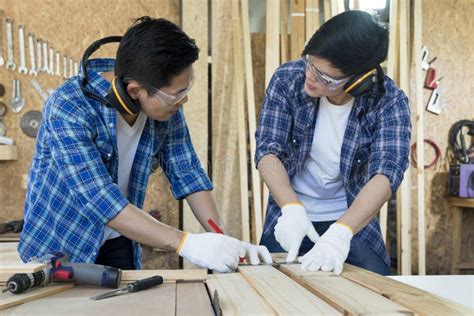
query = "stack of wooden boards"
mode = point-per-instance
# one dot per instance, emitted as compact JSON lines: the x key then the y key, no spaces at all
{"x":262,"y":290}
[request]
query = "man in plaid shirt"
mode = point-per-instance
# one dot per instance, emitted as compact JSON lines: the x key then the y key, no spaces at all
{"x":88,"y":177}
{"x":332,"y":146}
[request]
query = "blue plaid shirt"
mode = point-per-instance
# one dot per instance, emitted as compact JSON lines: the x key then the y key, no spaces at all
{"x":376,"y":140}
{"x":72,"y":190}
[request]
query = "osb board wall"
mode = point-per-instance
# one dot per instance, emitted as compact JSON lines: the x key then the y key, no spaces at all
{"x":70,"y":26}
{"x":447,"y":31}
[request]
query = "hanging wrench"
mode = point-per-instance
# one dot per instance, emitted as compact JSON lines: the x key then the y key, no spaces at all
{"x":64,"y":67}
{"x":21,"y":38}
{"x":10,"y":62}
{"x":45,"y":57}
{"x":31,"y":46}
{"x":51,"y":57}
{"x":2,"y":61}
{"x":38,"y":50}
{"x":58,"y":70}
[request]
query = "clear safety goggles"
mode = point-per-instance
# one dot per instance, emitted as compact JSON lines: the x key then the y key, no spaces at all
{"x":330,"y":82}
{"x":169,"y":99}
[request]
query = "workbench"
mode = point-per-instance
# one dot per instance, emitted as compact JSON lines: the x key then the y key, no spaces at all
{"x":263,"y":290}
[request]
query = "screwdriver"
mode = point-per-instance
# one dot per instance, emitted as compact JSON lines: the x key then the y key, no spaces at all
{"x":136,"y":286}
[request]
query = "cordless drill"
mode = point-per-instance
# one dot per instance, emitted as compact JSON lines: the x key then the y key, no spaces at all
{"x":59,"y":269}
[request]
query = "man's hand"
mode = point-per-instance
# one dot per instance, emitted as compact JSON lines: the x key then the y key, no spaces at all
{"x":293,"y":225}
{"x":255,"y":253}
{"x":213,"y":251}
{"x":330,"y":251}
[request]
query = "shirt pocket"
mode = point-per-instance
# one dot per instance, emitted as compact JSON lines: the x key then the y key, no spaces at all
{"x":106,"y":150}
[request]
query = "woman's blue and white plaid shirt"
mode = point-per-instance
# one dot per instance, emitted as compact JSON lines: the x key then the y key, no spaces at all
{"x":376,"y":140}
{"x":72,"y":191}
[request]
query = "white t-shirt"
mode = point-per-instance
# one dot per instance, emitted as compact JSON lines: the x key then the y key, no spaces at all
{"x":319,"y":184}
{"x":128,"y":138}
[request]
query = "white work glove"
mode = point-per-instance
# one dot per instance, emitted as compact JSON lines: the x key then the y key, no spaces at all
{"x":293,"y":225}
{"x":213,"y":251}
{"x":330,"y":251}
{"x":255,"y":253}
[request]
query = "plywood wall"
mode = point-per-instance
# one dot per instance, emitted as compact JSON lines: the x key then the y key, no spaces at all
{"x":70,"y":26}
{"x":448,"y":32}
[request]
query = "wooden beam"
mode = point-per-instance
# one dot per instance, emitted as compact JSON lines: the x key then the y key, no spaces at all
{"x":297,"y":36}
{"x":167,"y":275}
{"x":195,"y":24}
{"x":419,"y":301}
{"x":284,"y":47}
{"x":21,"y":267}
{"x":420,"y":135}
{"x":312,"y":18}
{"x":252,"y":123}
{"x":237,"y":296}
{"x":239,"y":102}
{"x":327,"y":10}
{"x":404,"y":202}
{"x":284,"y":295}
{"x":8,"y":299}
{"x":192,"y":299}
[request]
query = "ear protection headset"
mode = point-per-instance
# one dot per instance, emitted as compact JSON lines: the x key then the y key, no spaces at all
{"x":360,"y":84}
{"x":117,"y":97}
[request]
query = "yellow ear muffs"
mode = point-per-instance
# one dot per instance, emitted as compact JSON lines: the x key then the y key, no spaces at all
{"x":360,"y":83}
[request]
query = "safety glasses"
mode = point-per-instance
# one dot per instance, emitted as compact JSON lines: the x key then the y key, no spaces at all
{"x":165,"y":98}
{"x":330,"y":82}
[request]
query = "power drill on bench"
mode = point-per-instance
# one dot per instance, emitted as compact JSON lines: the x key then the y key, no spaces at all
{"x":59,"y":269}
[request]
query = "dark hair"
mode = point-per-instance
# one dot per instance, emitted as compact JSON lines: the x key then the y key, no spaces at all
{"x":153,"y":51}
{"x":351,"y":41}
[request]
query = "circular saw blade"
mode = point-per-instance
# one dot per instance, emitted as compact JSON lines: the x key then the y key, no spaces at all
{"x":30,"y":123}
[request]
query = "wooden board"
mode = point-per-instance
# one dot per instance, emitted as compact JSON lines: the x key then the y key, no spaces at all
{"x":8,"y":299}
{"x":160,"y":300}
{"x":195,"y":24}
{"x":284,"y":44}
{"x":8,"y":152}
{"x":297,"y":37}
{"x":168,"y":275}
{"x":252,"y":125}
{"x":417,"y":300}
{"x":192,"y":299}
{"x":284,"y":295}
{"x":312,"y":18}
{"x":21,"y":267}
{"x":237,"y":296}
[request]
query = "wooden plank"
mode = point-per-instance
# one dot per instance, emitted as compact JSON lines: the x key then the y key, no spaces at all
{"x":159,"y":300}
{"x":297,"y":37}
{"x":8,"y":299}
{"x":11,"y":268}
{"x":327,"y":9}
{"x":237,"y":296}
{"x":405,"y":191}
{"x":239,"y":102}
{"x":192,"y":299}
{"x":469,"y":203}
{"x":8,"y":152}
{"x":312,"y":18}
{"x":283,"y":294}
{"x":420,"y":135}
{"x":195,"y":24}
{"x":284,"y":47}
{"x":252,"y":124}
{"x":419,"y":301}
{"x":456,"y":239}
{"x":354,"y":299}
{"x":168,"y":275}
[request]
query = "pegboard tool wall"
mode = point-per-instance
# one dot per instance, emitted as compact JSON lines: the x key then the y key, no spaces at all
{"x":69,"y":26}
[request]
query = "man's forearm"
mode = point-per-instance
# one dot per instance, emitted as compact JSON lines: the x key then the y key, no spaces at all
{"x":367,"y":203}
{"x":137,"y":225}
{"x":276,"y":178}
{"x":204,"y":208}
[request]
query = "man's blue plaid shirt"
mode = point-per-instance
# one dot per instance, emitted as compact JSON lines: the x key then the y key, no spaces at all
{"x":376,"y":140}
{"x":72,"y":192}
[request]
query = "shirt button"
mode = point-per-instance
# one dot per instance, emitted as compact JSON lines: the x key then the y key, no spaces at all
{"x":294,"y":141}
{"x":358,"y":160}
{"x":94,"y":253}
{"x":111,"y":125}
{"x":109,"y":155}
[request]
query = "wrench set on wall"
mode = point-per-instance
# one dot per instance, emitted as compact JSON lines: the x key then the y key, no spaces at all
{"x":42,"y":58}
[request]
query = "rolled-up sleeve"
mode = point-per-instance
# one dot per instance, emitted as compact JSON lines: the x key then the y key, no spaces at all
{"x":390,"y":148}
{"x":274,"y":122}
{"x":180,"y":162}
{"x":80,"y":165}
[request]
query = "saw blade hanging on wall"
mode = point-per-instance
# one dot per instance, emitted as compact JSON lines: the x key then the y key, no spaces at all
{"x":30,"y":123}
